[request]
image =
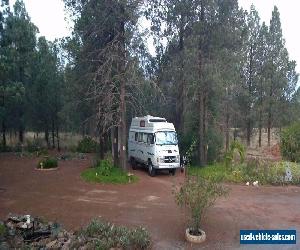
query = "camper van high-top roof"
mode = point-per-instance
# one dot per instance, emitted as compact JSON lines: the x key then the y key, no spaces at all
{"x":151,"y":123}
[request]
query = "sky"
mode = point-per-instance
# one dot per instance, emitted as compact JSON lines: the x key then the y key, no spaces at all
{"x":49,"y":17}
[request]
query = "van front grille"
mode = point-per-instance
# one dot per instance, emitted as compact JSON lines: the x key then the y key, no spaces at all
{"x":170,"y":159}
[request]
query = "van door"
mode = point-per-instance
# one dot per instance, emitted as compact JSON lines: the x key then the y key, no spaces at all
{"x":139,"y":147}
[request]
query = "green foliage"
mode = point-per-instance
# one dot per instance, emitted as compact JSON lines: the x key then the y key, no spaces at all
{"x":290,"y":142}
{"x":105,"y":172}
{"x":5,"y":148}
{"x":191,"y":151}
{"x":235,"y":147}
{"x":33,"y":145}
{"x":215,"y":145}
{"x":103,"y":235}
{"x":253,"y":170}
{"x":197,"y":194}
{"x":87,"y":145}
{"x":2,"y":230}
{"x":47,"y":163}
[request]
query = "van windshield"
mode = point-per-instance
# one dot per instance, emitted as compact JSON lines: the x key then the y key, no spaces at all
{"x":166,"y":138}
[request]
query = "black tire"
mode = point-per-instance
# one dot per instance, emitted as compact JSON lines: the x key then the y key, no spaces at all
{"x":133,"y":163}
{"x":172,"y":171}
{"x":151,"y":169}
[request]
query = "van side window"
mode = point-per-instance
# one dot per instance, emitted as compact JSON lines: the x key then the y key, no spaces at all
{"x":140,"y":137}
{"x":145,"y":136}
{"x":136,"y":136}
{"x":150,"y":139}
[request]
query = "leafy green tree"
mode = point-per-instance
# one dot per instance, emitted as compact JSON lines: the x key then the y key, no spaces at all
{"x":106,"y":63}
{"x":17,"y":48}
{"x":44,"y":94}
{"x":281,"y":73}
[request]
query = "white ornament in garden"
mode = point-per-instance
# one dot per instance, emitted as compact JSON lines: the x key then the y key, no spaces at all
{"x":288,"y":174}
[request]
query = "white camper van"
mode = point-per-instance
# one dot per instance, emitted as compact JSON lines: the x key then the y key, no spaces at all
{"x":153,"y":142}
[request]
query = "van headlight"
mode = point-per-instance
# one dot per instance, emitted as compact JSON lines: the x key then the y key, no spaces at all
{"x":161,"y":159}
{"x":177,"y":159}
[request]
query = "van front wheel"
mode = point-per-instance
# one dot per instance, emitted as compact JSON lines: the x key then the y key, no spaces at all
{"x":151,"y":169}
{"x":172,"y":171}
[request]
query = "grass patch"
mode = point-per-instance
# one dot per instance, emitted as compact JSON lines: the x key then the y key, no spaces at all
{"x":253,"y":170}
{"x":105,"y":172}
{"x":104,"y":235}
{"x":116,"y":176}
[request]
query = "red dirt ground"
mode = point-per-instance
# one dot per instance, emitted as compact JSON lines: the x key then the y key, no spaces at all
{"x":63,"y":196}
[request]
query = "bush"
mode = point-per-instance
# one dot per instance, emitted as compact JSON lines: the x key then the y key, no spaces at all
{"x":34,"y":145}
{"x":5,"y":149}
{"x":290,"y":143}
{"x":87,"y":145}
{"x":215,"y":144}
{"x":235,"y":148}
{"x":103,"y":235}
{"x":47,"y":163}
{"x":2,"y":230}
{"x":197,"y":195}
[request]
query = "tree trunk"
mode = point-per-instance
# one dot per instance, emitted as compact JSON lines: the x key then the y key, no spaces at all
{"x":269,"y":127}
{"x":122,"y":59}
{"x":201,"y":129}
{"x":259,"y":128}
{"x":260,"y":114}
{"x":248,"y":132}
{"x":227,"y":117}
{"x":47,"y":137}
{"x":53,"y":134}
{"x":114,"y":140}
{"x":57,"y":138}
{"x":205,"y":126}
{"x":181,"y":85}
{"x":3,"y":134}
{"x":101,"y":146}
{"x":21,"y":134}
{"x":123,"y":127}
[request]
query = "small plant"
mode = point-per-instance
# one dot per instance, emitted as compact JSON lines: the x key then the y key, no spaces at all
{"x":103,"y":235}
{"x":290,"y":142}
{"x":2,"y":230}
{"x":197,"y":195}
{"x":47,"y":163}
{"x":235,"y":147}
{"x":87,"y":145}
{"x":33,"y":146}
{"x":5,"y":148}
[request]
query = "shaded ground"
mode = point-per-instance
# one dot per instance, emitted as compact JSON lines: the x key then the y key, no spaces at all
{"x":61,"y":195}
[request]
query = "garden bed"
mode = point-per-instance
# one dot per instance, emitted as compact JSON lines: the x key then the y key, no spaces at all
{"x":264,"y":172}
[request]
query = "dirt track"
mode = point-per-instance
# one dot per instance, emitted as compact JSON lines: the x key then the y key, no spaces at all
{"x":61,"y":195}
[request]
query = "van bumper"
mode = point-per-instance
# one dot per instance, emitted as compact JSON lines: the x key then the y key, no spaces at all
{"x":167,"y":165}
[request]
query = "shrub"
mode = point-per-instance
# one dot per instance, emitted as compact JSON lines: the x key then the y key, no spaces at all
{"x":215,"y":144}
{"x":235,"y":147}
{"x":34,"y":145}
{"x":87,"y":145}
{"x":47,"y":163}
{"x":5,"y":148}
{"x":2,"y":230}
{"x":103,"y":235}
{"x":197,"y":195}
{"x":290,"y":142}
